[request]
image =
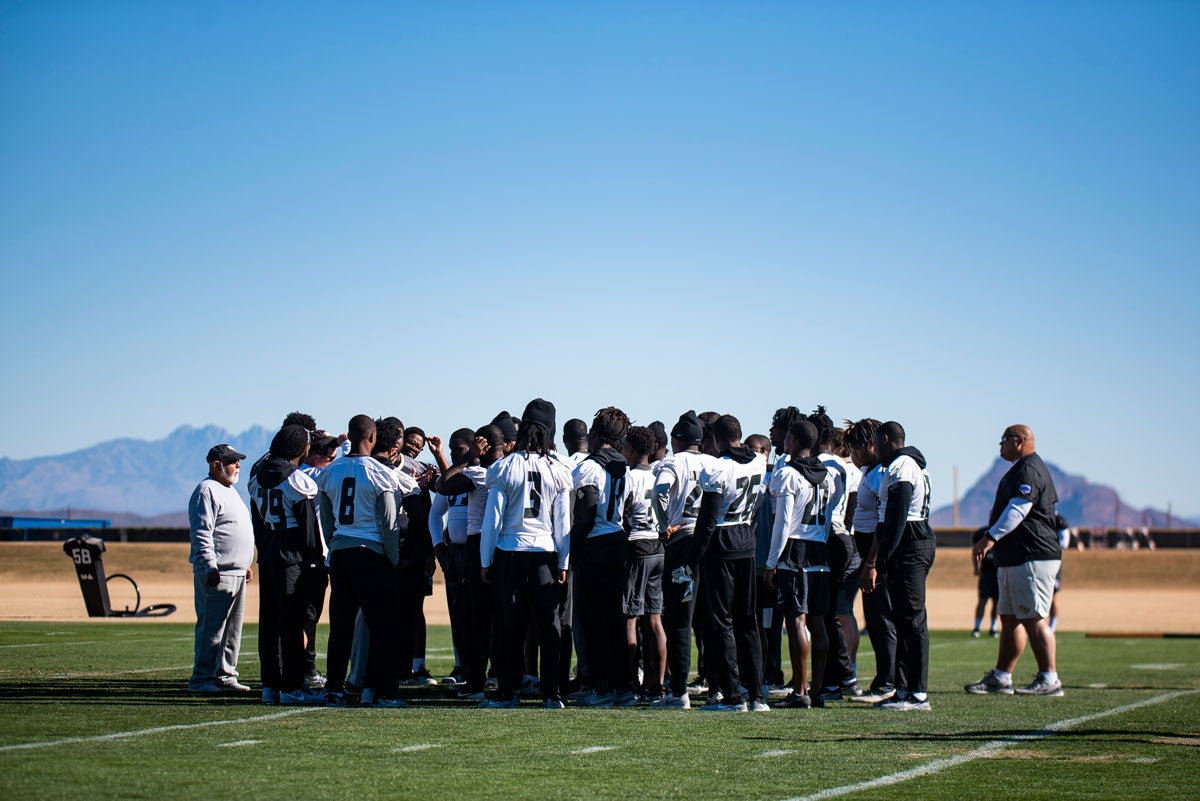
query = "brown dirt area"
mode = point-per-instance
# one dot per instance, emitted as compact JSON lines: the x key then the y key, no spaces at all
{"x":1137,"y":591}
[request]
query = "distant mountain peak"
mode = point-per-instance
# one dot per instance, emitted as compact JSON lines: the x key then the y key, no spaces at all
{"x":1080,"y":501}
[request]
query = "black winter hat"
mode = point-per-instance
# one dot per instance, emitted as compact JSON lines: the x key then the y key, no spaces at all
{"x":688,"y":430}
{"x":541,"y":412}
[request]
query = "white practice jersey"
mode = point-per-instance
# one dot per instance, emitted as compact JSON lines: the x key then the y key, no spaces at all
{"x":866,"y":509}
{"x":352,"y":485}
{"x":905,"y":468}
{"x":274,"y":505}
{"x":638,"y":502}
{"x":837,"y":467}
{"x":448,"y":517}
{"x":801,"y":509}
{"x":677,"y":480}
{"x":740,"y":485}
{"x":577,"y":458}
{"x":610,"y":505}
{"x":477,"y":501}
{"x":527,"y":506}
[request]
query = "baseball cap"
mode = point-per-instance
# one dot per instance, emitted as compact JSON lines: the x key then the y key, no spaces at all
{"x":224,"y":453}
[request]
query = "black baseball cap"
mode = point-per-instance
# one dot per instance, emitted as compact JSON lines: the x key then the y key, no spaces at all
{"x":224,"y":453}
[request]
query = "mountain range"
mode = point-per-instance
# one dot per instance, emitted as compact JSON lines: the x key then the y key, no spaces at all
{"x":140,"y":483}
{"x":1081,"y":502}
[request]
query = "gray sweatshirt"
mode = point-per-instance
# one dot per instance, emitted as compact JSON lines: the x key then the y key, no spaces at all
{"x":221,"y":534}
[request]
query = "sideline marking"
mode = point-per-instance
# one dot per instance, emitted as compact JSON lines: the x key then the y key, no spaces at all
{"x":985,"y":750}
{"x":241,"y":660}
{"x":91,"y":642}
{"x":409,"y":749}
{"x":124,"y":735}
{"x":236,"y":743}
{"x":1144,"y":760}
{"x":776,"y":753}
{"x":595,"y":749}
{"x":1159,"y":666}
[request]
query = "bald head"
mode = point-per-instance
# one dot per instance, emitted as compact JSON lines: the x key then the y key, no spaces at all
{"x":1016,"y":443}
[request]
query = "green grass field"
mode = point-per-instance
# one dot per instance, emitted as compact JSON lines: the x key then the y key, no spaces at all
{"x":99,"y":711}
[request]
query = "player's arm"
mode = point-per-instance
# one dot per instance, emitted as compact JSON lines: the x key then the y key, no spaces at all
{"x":558,"y":525}
{"x":891,"y":528}
{"x":202,"y":517}
{"x":438,"y":507}
{"x":389,"y":525}
{"x":493,"y":519}
{"x":661,"y":499}
{"x":706,"y":524}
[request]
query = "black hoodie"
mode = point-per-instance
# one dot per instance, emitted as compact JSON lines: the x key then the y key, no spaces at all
{"x":276,"y":543}
{"x":896,"y":529}
{"x":604,"y":547}
{"x":720,"y":538}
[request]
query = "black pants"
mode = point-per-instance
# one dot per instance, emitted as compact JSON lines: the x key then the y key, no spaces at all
{"x":281,"y":615}
{"x":458,"y":598}
{"x":525,"y":583}
{"x":838,"y":668}
{"x":314,"y":580}
{"x":599,"y":564}
{"x":771,"y":633}
{"x":734,"y":650}
{"x":361,"y":578}
{"x":679,"y":602}
{"x":481,"y":600}
{"x":906,"y":572}
{"x":881,"y":629}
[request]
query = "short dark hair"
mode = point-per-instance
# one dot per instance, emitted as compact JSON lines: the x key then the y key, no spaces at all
{"x":660,"y":433}
{"x":805,"y":433}
{"x":640,"y":440}
{"x":463,"y":435}
{"x":300,"y":419}
{"x":893,"y":431}
{"x":708,"y":418}
{"x":388,"y":433}
{"x":610,"y":425}
{"x":360,"y":427}
{"x":575,"y":430}
{"x":415,"y":430}
{"x":726,"y":428}
{"x":758,"y":442}
{"x":491,"y":433}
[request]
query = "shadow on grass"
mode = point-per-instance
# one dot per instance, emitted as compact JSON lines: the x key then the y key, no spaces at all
{"x":1187,"y":739}
{"x":155,"y":692}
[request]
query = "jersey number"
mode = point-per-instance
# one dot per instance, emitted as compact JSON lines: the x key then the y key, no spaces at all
{"x":616,"y":489}
{"x":534,"y":487}
{"x":816,"y":510}
{"x":82,"y":556}
{"x":270,"y":505}
{"x":346,"y":504}
{"x":746,"y":504}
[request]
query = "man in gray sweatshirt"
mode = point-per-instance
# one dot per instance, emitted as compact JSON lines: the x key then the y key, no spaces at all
{"x":222,"y":550}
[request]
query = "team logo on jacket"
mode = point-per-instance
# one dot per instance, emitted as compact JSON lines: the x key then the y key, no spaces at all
{"x":1024,"y":489}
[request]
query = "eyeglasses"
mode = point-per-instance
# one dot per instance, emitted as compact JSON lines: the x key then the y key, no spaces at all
{"x":1007,"y":437}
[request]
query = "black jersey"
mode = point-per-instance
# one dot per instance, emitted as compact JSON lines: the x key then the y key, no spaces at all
{"x":1035,"y":539}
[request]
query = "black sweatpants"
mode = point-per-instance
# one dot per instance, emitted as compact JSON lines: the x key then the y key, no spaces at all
{"x":907,"y":570}
{"x":458,"y":597}
{"x":314,"y":580}
{"x":599,"y":565}
{"x":525,"y":583}
{"x":679,"y":601}
{"x":881,"y":629}
{"x":281,"y":614}
{"x":482,"y":619}
{"x":361,"y":578}
{"x":734,"y":650}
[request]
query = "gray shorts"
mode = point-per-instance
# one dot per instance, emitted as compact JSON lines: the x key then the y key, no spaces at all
{"x":1027,"y":590}
{"x":643,"y":586}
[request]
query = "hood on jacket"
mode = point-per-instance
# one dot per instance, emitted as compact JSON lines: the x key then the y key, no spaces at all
{"x":812,"y":468}
{"x":611,"y":460}
{"x":907,"y":450}
{"x":740,"y":454}
{"x":271,"y":471}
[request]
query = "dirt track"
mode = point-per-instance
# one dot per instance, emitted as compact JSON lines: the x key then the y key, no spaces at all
{"x":1103,"y":590}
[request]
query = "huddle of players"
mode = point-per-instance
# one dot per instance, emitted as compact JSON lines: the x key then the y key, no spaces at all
{"x":621,"y":546}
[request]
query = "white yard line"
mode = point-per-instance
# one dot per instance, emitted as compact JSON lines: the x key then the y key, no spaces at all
{"x":124,"y":735}
{"x":769,"y":754}
{"x":91,"y":642}
{"x":410,"y":749}
{"x":594,"y":749}
{"x":243,"y":659}
{"x":237,"y":743}
{"x":984,"y":751}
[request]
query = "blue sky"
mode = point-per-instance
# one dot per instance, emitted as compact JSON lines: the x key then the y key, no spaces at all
{"x":958,"y":216}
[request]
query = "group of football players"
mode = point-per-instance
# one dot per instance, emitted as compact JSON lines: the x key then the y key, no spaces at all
{"x":609,"y":554}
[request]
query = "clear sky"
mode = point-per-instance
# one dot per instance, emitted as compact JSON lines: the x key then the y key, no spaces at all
{"x":958,"y":216}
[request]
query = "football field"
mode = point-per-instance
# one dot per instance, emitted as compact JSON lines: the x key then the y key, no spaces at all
{"x":99,"y":711}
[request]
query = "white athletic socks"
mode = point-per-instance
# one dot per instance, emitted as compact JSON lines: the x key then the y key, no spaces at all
{"x":1002,"y":675}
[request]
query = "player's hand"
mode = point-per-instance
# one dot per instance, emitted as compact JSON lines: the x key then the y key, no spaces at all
{"x":769,"y":578}
{"x":342,"y":438}
{"x":483,"y":574}
{"x":671,"y":531}
{"x":249,"y":574}
{"x":434,"y":444}
{"x":867,"y":582}
{"x":424,"y":479}
{"x":980,"y":550}
{"x":212,"y":578}
{"x":562,"y":577}
{"x":430,"y":566}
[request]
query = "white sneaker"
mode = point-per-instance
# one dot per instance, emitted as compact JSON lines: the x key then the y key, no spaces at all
{"x":759,"y":706}
{"x":724,"y":707}
{"x":669,"y":701}
{"x":1041,"y":686}
{"x":301,"y":698}
{"x":597,"y":700}
{"x":990,"y":684}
